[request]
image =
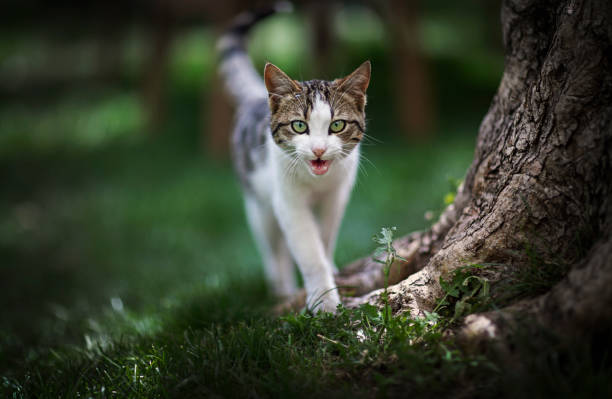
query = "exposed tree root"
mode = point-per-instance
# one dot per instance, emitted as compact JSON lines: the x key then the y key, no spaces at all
{"x":577,"y":306}
{"x":366,"y":275}
{"x":540,"y":179}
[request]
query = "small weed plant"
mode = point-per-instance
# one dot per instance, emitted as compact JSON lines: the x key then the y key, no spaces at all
{"x":464,"y":293}
{"x":386,"y":254}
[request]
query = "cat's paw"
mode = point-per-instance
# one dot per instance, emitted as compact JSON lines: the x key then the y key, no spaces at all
{"x":327,"y":302}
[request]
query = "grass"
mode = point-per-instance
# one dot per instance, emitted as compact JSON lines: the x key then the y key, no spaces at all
{"x":464,"y":293}
{"x":127,"y":269}
{"x":130,"y":272}
{"x":298,"y":355}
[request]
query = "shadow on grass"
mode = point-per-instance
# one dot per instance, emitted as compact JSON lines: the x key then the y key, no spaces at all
{"x":129,"y":272}
{"x":222,"y":342}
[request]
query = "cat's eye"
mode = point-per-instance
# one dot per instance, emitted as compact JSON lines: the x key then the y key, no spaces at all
{"x":299,"y":126}
{"x":337,"y":126}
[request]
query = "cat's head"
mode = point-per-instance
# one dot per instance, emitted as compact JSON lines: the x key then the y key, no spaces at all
{"x":317,"y":121}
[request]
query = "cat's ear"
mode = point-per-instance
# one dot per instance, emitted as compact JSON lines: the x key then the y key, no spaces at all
{"x":278,"y":82}
{"x":357,"y":81}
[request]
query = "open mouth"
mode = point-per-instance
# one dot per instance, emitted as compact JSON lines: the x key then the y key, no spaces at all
{"x":319,"y":166}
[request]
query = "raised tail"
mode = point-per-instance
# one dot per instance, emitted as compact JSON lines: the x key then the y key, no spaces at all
{"x":241,"y":79}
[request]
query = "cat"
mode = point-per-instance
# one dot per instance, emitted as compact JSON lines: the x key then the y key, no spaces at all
{"x":295,"y":148}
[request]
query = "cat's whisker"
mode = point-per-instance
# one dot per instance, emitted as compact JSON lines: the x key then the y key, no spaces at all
{"x":275,"y":94}
{"x":361,"y":156}
{"x":362,"y":170}
{"x":360,"y":166}
{"x":367,"y":137}
{"x":289,"y":171}
{"x":295,"y":165}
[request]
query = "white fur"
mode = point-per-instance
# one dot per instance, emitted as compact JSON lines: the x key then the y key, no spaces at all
{"x":241,"y":80}
{"x":292,"y":208}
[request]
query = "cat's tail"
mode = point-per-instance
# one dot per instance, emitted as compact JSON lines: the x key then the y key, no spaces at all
{"x":241,"y":79}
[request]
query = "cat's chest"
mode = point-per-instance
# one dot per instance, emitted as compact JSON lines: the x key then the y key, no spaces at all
{"x":311,"y":189}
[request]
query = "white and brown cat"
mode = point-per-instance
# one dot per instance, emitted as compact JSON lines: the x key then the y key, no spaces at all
{"x":296,"y":150}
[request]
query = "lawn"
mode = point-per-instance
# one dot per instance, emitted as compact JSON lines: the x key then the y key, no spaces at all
{"x":128,"y":271}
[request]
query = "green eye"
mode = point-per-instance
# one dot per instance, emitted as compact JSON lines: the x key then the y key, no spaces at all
{"x":337,"y":126}
{"x":299,"y":126}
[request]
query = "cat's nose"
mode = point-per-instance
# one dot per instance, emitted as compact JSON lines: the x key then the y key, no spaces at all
{"x":319,"y":151}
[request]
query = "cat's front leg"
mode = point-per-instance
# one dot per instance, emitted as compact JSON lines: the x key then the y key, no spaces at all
{"x":303,"y":236}
{"x":332,"y":211}
{"x":271,"y":244}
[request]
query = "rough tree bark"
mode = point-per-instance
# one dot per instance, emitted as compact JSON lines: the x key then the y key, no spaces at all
{"x":541,"y":176}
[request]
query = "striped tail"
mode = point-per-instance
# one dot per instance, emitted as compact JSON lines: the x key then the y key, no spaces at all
{"x":241,"y":79}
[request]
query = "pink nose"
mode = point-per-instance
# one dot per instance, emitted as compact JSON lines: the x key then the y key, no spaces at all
{"x":319,"y":152}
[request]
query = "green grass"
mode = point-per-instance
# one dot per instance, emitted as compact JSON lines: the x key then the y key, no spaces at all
{"x":128,"y":271}
{"x":127,"y":268}
{"x":194,"y":355}
{"x":127,"y":264}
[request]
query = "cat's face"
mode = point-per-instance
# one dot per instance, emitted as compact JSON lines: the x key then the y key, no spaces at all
{"x":317,"y":122}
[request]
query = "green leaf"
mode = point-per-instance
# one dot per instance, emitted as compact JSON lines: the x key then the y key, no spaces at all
{"x":444,"y":285}
{"x":461,"y":307}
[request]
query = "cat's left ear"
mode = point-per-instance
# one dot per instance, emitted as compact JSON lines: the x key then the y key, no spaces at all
{"x":357,"y":81}
{"x":278,"y":82}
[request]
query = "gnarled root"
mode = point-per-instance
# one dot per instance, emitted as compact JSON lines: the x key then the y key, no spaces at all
{"x":366,"y":275}
{"x":577,"y":306}
{"x":360,"y":281}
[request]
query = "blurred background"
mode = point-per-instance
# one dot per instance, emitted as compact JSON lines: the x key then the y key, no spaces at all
{"x":117,"y":194}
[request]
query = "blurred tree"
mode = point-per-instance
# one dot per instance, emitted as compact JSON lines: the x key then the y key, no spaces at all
{"x":413,"y":96}
{"x":217,"y":110}
{"x":166,"y":18}
{"x":537,"y":196}
{"x":321,"y":17}
{"x":156,"y":67}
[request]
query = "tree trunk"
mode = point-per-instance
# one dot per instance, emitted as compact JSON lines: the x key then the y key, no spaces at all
{"x":540,"y":182}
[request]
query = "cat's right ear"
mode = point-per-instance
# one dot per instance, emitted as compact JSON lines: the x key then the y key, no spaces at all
{"x":278,"y":82}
